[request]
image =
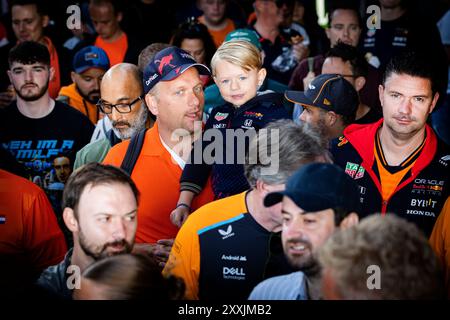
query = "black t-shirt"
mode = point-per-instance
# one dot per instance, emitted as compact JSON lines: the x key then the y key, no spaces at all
{"x":35,"y":143}
{"x":408,"y":32}
{"x":232,"y":268}
{"x":278,"y":61}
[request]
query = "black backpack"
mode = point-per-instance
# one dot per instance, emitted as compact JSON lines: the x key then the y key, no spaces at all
{"x":133,"y":151}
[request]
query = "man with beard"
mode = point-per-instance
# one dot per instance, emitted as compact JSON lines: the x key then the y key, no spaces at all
{"x":36,"y":128}
{"x":100,"y":209}
{"x":89,"y":66}
{"x":329,"y":103}
{"x":400,"y":164}
{"x":318,"y":200}
{"x":29,"y":19}
{"x":123,"y":103}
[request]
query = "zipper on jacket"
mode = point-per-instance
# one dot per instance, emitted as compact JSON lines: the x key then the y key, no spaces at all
{"x":384,"y":204}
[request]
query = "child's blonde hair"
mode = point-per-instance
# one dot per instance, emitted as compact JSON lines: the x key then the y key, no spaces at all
{"x":240,"y":53}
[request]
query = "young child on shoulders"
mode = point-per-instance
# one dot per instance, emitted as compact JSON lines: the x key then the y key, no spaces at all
{"x":238,"y":72}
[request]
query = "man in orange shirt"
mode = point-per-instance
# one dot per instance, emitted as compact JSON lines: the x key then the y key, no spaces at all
{"x":120,"y":47}
{"x":30,"y":238}
{"x":215,"y":19}
{"x":440,"y":242}
{"x":89,"y":66}
{"x":174,"y":93}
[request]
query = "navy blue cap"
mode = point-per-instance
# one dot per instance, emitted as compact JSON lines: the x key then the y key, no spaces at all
{"x":330,"y":92}
{"x":90,"y":57}
{"x":319,"y":186}
{"x":167,"y":65}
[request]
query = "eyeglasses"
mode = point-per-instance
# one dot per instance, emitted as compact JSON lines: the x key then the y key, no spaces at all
{"x":107,"y":108}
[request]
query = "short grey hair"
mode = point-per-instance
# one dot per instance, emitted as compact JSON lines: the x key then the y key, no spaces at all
{"x":298,"y":144}
{"x":408,"y":266}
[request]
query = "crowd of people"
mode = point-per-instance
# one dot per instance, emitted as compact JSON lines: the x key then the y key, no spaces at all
{"x":224,"y":150}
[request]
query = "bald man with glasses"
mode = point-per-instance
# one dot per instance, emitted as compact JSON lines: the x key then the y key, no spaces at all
{"x":122,"y":102}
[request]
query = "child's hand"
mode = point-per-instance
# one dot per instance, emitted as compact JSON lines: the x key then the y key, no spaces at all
{"x":179,"y":216}
{"x":162,"y":251}
{"x":159,"y":251}
{"x":308,"y":79}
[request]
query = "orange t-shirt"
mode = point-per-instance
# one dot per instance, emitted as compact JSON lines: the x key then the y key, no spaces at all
{"x":157,"y":177}
{"x":90,"y":110}
{"x":391,"y":180}
{"x":440,"y":241}
{"x":115,"y":50}
{"x":184,"y":259}
{"x":219,"y":35}
{"x":29,"y":233}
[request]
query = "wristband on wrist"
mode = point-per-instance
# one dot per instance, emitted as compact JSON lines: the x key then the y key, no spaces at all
{"x":183,"y":205}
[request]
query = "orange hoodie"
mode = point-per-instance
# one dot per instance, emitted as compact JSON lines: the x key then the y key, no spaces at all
{"x":78,"y":102}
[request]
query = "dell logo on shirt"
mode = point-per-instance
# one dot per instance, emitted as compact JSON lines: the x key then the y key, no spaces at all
{"x":233,"y":271}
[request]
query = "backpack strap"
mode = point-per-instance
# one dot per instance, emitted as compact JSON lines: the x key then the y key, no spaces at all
{"x":311,"y":64}
{"x":133,"y":151}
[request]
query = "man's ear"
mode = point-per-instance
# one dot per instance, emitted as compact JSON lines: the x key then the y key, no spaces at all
{"x":350,"y":220}
{"x":51,"y":72}
{"x":380,"y":94}
{"x":327,"y":32}
{"x":70,"y":220}
{"x":72,"y":76}
{"x":260,"y":186}
{"x":45,"y":21}
{"x":152,"y":104}
{"x":435,"y":100}
{"x":257,"y":6}
{"x":331,"y":118}
{"x":119,"y":16}
{"x":359,"y":83}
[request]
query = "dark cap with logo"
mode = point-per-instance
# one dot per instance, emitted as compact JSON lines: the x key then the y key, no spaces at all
{"x":330,"y":92}
{"x":90,"y":57}
{"x":319,"y":186}
{"x":167,"y":65}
